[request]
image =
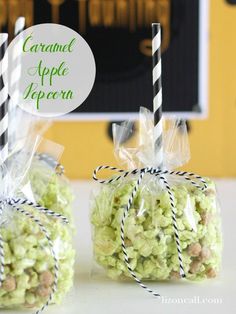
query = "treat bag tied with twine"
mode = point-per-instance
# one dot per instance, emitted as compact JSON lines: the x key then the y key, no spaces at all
{"x":36,"y":252}
{"x":150,"y":223}
{"x":36,"y":226}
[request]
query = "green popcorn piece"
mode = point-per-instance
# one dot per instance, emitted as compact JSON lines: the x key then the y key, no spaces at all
{"x":23,"y":281}
{"x":103,"y":214}
{"x":18,"y":250}
{"x":30,"y":298}
{"x":149,"y":233}
{"x":132,"y":229}
{"x":41,"y":266}
{"x":29,"y":265}
{"x":148,"y":267}
{"x":105,"y":243}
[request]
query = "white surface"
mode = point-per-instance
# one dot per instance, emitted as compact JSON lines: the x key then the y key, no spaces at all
{"x":99,"y":295}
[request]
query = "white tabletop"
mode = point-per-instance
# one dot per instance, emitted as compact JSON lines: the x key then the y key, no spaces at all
{"x":97,"y":294}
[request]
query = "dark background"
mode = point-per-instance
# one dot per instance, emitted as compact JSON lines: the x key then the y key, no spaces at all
{"x":123,"y":79}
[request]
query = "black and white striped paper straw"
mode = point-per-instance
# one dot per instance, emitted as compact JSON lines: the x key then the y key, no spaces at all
{"x":3,"y":99}
{"x":19,"y":25}
{"x":16,"y":62}
{"x":3,"y":128}
{"x":15,"y":79}
{"x":157,"y":93}
{"x":158,"y":127}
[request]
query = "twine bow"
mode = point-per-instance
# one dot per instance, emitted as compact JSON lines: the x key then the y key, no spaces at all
{"x":17,"y":204}
{"x":192,"y":178}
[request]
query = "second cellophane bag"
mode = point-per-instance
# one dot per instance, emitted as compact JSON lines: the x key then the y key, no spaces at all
{"x":149,"y":234}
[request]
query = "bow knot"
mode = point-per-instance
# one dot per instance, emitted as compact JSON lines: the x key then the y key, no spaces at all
{"x":191,"y":177}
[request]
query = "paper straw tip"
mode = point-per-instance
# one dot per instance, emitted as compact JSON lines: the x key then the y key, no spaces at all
{"x":20,"y":24}
{"x":3,"y":38}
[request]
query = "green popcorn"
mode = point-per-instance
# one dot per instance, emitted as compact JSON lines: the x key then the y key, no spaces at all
{"x":149,"y":233}
{"x":18,"y":250}
{"x":30,"y":298}
{"x":29,"y":264}
{"x":105,"y":241}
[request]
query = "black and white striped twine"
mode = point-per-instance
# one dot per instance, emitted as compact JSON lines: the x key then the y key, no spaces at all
{"x":188,"y":176}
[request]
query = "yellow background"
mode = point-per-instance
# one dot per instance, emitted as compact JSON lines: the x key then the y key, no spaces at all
{"x":213,"y":144}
